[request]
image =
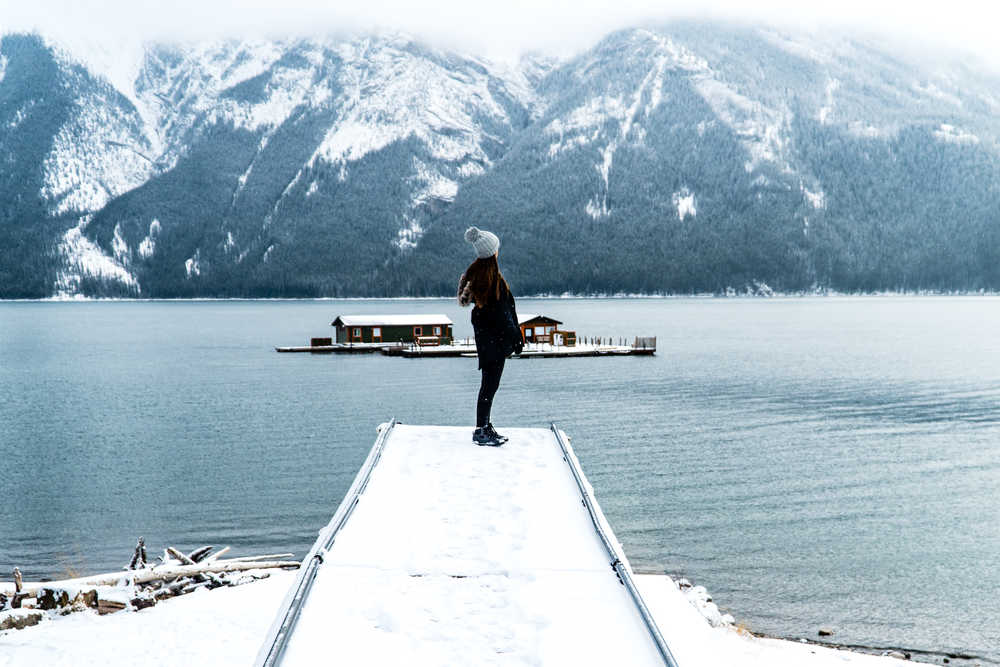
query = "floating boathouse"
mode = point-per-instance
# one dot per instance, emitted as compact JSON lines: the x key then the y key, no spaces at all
{"x":433,"y":329}
{"x":544,"y":329}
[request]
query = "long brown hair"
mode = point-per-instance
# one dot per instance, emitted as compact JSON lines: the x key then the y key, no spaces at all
{"x":486,"y":282}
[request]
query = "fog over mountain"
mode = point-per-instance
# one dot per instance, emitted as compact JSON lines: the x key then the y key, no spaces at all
{"x":686,"y":157}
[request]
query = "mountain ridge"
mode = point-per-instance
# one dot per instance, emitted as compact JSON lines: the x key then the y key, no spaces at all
{"x":692,"y":158}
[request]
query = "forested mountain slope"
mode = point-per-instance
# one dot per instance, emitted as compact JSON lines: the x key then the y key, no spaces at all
{"x":686,"y":158}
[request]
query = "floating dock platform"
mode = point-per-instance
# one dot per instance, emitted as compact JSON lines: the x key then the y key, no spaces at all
{"x":343,"y":348}
{"x":447,"y":553}
{"x":531,"y":350}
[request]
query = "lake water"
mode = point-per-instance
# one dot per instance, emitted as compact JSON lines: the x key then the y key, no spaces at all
{"x":815,"y":461}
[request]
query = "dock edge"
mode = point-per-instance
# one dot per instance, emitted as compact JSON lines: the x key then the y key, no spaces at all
{"x":276,"y":641}
{"x":617,"y":557}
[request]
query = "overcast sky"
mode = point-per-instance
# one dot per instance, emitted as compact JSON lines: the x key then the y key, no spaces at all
{"x":503,"y":29}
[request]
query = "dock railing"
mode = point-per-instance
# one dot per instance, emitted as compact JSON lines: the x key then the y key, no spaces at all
{"x":276,"y":641}
{"x":613,"y":549}
{"x":644,"y":343}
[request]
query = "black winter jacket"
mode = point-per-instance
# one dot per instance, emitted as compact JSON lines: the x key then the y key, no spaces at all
{"x":498,"y":334}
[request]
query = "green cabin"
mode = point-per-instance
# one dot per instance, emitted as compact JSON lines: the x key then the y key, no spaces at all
{"x":420,"y":329}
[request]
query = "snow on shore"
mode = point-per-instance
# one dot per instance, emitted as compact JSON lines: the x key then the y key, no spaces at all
{"x":219,"y":627}
{"x":225,"y":627}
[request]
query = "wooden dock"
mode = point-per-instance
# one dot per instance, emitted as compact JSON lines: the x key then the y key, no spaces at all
{"x":531,"y":350}
{"x":343,"y":348}
{"x":447,"y":553}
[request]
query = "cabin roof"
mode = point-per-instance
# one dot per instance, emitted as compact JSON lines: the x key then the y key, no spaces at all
{"x":526,"y":318}
{"x":390,"y":320}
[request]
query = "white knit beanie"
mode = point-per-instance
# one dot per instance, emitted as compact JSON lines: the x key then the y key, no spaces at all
{"x":485,"y":243}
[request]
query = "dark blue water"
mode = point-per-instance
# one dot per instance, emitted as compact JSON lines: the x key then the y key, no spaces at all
{"x":818,"y":461}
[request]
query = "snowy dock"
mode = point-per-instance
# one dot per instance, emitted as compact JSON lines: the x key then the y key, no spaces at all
{"x":531,"y":350}
{"x":447,"y":553}
{"x":342,"y":348}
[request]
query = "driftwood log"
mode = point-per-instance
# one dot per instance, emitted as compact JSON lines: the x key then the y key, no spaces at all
{"x":162,"y":573}
{"x":139,"y":557}
{"x":145,"y":584}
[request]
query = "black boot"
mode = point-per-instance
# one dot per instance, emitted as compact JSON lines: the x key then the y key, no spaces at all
{"x":481,"y":436}
{"x":492,"y":431}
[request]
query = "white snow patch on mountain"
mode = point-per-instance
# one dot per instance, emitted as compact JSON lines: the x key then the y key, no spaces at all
{"x":954,"y":135}
{"x":470,"y":169}
{"x":148,"y":245}
{"x":817,"y":199}
{"x":431,"y":184}
{"x":116,"y":61}
{"x":932,"y":90}
{"x":390,"y":95}
{"x":21,"y":114}
{"x":604,"y":169}
{"x":288,"y":88}
{"x":677,"y":56}
{"x":868,"y":131}
{"x":267,"y":254}
{"x":119,"y":246}
{"x":84,"y":258}
{"x":584,"y":124}
{"x":796,"y":47}
{"x":95,"y":156}
{"x":409,"y":235}
{"x":223,"y":65}
{"x":182,"y":86}
{"x":824,"y":113}
{"x":683,"y":201}
{"x":594,"y":114}
{"x":758,"y":127}
{"x":119,"y":63}
{"x":592,"y":210}
{"x":516,"y":82}
{"x":3,"y":67}
{"x":192,"y":265}
{"x":600,"y":114}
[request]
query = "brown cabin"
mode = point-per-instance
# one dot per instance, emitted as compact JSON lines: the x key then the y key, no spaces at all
{"x":424,"y":329}
{"x":542,"y":329}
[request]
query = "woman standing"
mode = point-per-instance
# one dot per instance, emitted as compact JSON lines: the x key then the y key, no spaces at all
{"x":494,"y":321}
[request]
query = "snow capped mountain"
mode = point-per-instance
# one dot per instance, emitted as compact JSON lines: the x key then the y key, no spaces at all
{"x":345,"y":166}
{"x":125,"y":126}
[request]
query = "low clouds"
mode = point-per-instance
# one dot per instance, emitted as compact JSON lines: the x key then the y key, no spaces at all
{"x":496,"y":30}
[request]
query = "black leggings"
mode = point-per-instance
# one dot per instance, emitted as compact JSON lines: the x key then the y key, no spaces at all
{"x":487,"y":389}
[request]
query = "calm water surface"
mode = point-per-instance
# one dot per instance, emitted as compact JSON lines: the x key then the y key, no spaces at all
{"x":818,"y":461}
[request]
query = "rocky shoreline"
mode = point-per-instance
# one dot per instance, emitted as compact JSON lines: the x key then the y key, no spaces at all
{"x":701,"y":599}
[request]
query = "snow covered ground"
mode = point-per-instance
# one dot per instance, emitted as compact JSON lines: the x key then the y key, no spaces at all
{"x":455,"y":555}
{"x":219,"y":627}
{"x":225,"y":627}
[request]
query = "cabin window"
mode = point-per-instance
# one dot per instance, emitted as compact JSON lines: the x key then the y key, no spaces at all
{"x":529,"y":332}
{"x":437,"y":331}
{"x":357,"y":332}
{"x":418,"y":331}
{"x":376,"y":332}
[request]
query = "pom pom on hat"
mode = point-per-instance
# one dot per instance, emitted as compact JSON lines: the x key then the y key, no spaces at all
{"x":485,"y":243}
